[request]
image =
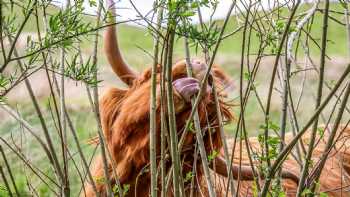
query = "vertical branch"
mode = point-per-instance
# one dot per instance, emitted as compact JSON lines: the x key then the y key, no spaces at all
{"x":268,"y":103}
{"x":274,"y":70}
{"x":217,"y":106}
{"x":197,"y":126}
{"x":241,"y":103}
{"x":164,"y":123}
{"x":97,"y":110}
{"x":171,"y":112}
{"x":305,"y":169}
{"x":63,"y":124}
{"x":206,"y":76}
{"x":153,"y":107}
{"x":285,"y":74}
{"x":64,"y":142}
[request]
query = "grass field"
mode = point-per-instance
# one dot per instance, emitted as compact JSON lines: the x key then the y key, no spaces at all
{"x":131,"y":39}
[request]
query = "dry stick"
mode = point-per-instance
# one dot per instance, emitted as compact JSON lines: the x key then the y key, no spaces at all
{"x":305,"y":169}
{"x":245,"y":100}
{"x":314,"y":177}
{"x":9,"y":170}
{"x":197,"y":126}
{"x":241,"y":92}
{"x":163,"y":120}
{"x":97,"y":110}
{"x":285,"y":152}
{"x":295,"y":126}
{"x":45,"y":63}
{"x":217,"y":106}
{"x":285,"y":75}
{"x":289,"y":57}
{"x":153,"y":112}
{"x":163,"y":151}
{"x":63,"y":133}
{"x":171,"y":112}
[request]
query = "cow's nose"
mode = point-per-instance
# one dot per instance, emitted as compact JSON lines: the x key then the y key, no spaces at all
{"x":199,"y":69}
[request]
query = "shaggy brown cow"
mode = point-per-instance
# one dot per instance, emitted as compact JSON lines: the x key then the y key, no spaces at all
{"x":125,"y":123}
{"x":335,"y":177}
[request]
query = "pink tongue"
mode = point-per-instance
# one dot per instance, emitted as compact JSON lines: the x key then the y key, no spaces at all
{"x":187,"y":87}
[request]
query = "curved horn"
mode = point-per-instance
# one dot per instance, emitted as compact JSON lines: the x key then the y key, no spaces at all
{"x":111,"y":48}
{"x":246,"y":171}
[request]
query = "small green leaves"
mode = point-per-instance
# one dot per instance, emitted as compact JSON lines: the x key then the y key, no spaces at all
{"x":191,"y":127}
{"x":125,"y":190}
{"x":273,"y":143}
{"x":188,"y":177}
{"x":212,"y":155}
{"x":306,"y":191}
{"x":322,"y":194}
{"x":92,"y":3}
{"x":280,"y":26}
{"x":100,"y":180}
{"x":320,"y":131}
{"x":246,"y":76}
{"x":271,"y":125}
{"x":84,"y":72}
{"x":4,"y":81}
{"x":64,"y":26}
{"x":3,"y":188}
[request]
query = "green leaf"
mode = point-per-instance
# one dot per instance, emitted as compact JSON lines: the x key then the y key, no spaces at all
{"x":320,"y":131}
{"x":306,"y":191}
{"x":212,"y":155}
{"x":189,"y":176}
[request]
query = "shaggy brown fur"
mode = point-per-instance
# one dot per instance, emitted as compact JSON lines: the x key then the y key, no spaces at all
{"x":125,"y":122}
{"x":334,"y":180}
